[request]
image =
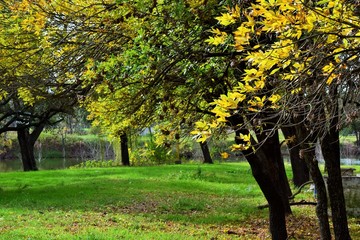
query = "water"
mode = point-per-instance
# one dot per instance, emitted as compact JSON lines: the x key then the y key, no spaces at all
{"x":44,"y":164}
{"x":350,"y":161}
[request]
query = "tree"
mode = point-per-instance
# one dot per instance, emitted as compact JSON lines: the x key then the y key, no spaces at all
{"x":153,"y":79}
{"x":355,"y":127}
{"x":38,"y":82}
{"x":298,"y":165}
{"x":205,"y":150}
{"x":147,"y":66}
{"x":144,"y":67}
{"x":310,"y":65}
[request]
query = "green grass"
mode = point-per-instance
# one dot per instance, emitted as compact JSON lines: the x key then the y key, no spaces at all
{"x":164,"y":202}
{"x":348,"y":139}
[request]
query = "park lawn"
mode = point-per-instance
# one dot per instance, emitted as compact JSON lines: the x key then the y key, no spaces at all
{"x":161,"y":202}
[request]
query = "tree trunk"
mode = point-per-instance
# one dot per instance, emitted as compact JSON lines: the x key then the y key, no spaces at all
{"x":307,"y":153}
{"x":267,"y":175}
{"x":270,"y":146}
{"x":27,"y":150}
{"x":206,"y":153}
{"x":125,"y":159}
{"x":27,"y":143}
{"x":322,"y":206}
{"x":264,"y":176}
{"x":331,"y":151}
{"x":298,"y":165}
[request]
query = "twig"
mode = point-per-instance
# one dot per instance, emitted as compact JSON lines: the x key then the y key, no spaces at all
{"x":302,"y":202}
{"x":299,"y":189}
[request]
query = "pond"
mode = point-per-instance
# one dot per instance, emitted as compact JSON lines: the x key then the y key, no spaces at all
{"x":350,"y":161}
{"x":44,"y":164}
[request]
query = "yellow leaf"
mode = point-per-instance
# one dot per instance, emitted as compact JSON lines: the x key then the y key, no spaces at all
{"x":290,"y":139}
{"x":224,"y":155}
{"x":239,"y":147}
{"x":249,"y":88}
{"x":26,"y":95}
{"x":221,"y":114}
{"x":245,"y":138}
{"x":274,"y":98}
{"x":295,"y":91}
{"x":259,"y":84}
{"x":328,"y":68}
{"x":235,"y":12}
{"x":216,"y":31}
{"x":226,"y":19}
{"x":274,"y":71}
{"x":217,"y":40}
{"x":331,"y":78}
{"x":202,"y":125}
{"x":239,"y":97}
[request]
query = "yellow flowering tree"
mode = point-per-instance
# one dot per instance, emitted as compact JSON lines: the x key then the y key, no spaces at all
{"x":40,"y":78}
{"x":301,"y":71}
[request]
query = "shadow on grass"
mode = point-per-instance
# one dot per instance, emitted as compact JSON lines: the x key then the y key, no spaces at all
{"x":169,"y":194}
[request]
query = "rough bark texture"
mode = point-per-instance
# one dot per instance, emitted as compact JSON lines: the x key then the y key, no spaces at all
{"x":206,"y":153}
{"x":298,"y":165}
{"x":331,"y":151}
{"x":125,"y":159}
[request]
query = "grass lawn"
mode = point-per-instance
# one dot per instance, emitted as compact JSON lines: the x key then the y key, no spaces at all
{"x":164,"y":202}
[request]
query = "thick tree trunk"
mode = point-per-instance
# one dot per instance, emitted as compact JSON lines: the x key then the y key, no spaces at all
{"x":268,"y":169}
{"x":270,"y":146}
{"x":27,"y":150}
{"x":298,"y":165}
{"x":331,"y":151}
{"x":206,"y":153}
{"x":26,"y":143}
{"x":125,"y":159}
{"x":270,"y":180}
{"x":264,"y":176}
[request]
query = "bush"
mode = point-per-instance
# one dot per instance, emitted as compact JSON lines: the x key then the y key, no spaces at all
{"x":95,"y":164}
{"x":150,"y":154}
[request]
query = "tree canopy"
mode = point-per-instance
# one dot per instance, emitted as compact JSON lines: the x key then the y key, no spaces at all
{"x":257,"y":67}
{"x":298,"y":55}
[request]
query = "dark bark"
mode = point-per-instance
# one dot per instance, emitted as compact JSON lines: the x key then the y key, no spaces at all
{"x":206,"y":153}
{"x":322,"y":206}
{"x":307,"y":152}
{"x":330,"y":146}
{"x":266,"y":173}
{"x":269,"y":172}
{"x":125,"y":159}
{"x":271,"y":148}
{"x":298,"y":165}
{"x":331,"y":151}
{"x":26,"y":143}
{"x":27,"y":150}
{"x":264,"y":176}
